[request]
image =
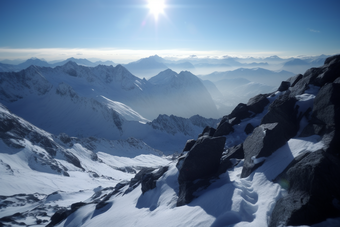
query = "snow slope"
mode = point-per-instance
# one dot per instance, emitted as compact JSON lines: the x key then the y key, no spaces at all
{"x":42,"y":173}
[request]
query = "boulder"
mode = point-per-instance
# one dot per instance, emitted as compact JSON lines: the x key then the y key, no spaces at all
{"x":330,"y":73}
{"x":265,"y":139}
{"x":203,"y":159}
{"x":149,"y":179}
{"x":284,"y":112}
{"x":325,"y":116}
{"x":257,"y":103}
{"x":224,"y":128}
{"x":249,"y":128}
{"x":207,"y":131}
{"x":200,"y":163}
{"x":235,"y":152}
{"x":313,"y":190}
{"x":225,"y":164}
{"x":293,"y":80}
{"x":303,"y":84}
{"x":241,"y":111}
{"x":284,"y":86}
{"x":327,"y":106}
{"x":189,"y":144}
{"x":234,"y":121}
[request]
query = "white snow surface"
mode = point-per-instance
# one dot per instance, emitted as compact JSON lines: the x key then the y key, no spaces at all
{"x":229,"y":201}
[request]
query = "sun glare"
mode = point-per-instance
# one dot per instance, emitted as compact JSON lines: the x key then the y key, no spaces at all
{"x":156,"y":7}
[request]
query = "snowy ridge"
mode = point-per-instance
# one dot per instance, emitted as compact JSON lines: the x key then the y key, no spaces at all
{"x":173,"y":124}
{"x":114,"y":83}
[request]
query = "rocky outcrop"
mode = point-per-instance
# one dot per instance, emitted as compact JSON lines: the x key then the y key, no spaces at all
{"x":235,"y":152}
{"x":242,"y":111}
{"x":224,"y":128}
{"x":149,"y":179}
{"x":311,"y":179}
{"x":200,"y":163}
{"x":202,"y":160}
{"x":189,"y":145}
{"x":284,"y":112}
{"x":249,"y":128}
{"x":284,"y":86}
{"x":257,"y":103}
{"x":265,"y":139}
{"x":207,"y":131}
{"x":324,"y":119}
{"x":313,"y":191}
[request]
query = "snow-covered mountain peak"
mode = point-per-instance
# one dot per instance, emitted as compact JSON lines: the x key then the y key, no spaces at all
{"x":70,"y":64}
{"x":66,"y":90}
{"x":163,"y":77}
{"x":127,"y":80}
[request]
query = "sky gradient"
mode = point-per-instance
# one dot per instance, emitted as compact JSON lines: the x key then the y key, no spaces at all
{"x":125,"y":30}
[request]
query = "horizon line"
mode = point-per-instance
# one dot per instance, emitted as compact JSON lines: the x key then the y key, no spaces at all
{"x":128,"y":55}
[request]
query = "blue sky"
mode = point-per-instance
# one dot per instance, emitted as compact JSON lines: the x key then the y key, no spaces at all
{"x":125,"y":29}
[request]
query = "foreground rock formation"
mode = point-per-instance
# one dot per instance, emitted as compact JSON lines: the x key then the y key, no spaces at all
{"x":312,"y":179}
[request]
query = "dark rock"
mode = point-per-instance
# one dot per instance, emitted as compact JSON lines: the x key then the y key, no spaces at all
{"x":207,"y":131}
{"x":202,"y":160}
{"x":71,"y":158}
{"x":76,"y":206}
{"x":64,"y":138}
{"x":331,"y":71}
{"x":284,"y":86}
{"x":200,"y":163}
{"x":265,"y":139}
{"x":59,"y":216}
{"x":327,"y":106}
{"x":240,"y":111}
{"x":224,"y":128}
{"x":188,"y":189}
{"x":325,"y":119}
{"x":134,"y":182}
{"x":225,"y":164}
{"x":285,"y":113}
{"x":249,"y":128}
{"x":149,"y":180}
{"x":303,"y":84}
{"x":337,"y":81}
{"x":147,"y":177}
{"x":313,"y":129}
{"x":234,"y":121}
{"x":235,"y":152}
{"x":332,"y":143}
{"x":293,"y":80}
{"x":313,"y":186}
{"x":103,"y":202}
{"x":257,"y":103}
{"x":189,"y":145}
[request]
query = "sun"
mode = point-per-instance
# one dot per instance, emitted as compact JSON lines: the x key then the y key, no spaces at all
{"x":156,"y":7}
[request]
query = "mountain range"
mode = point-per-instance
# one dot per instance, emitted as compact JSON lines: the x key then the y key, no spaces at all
{"x":104,"y":101}
{"x":6,"y":67}
{"x":273,"y":161}
{"x":150,"y":66}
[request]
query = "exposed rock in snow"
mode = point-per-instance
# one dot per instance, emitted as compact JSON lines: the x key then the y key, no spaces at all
{"x":313,"y":191}
{"x":264,"y":140}
{"x":202,"y":161}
